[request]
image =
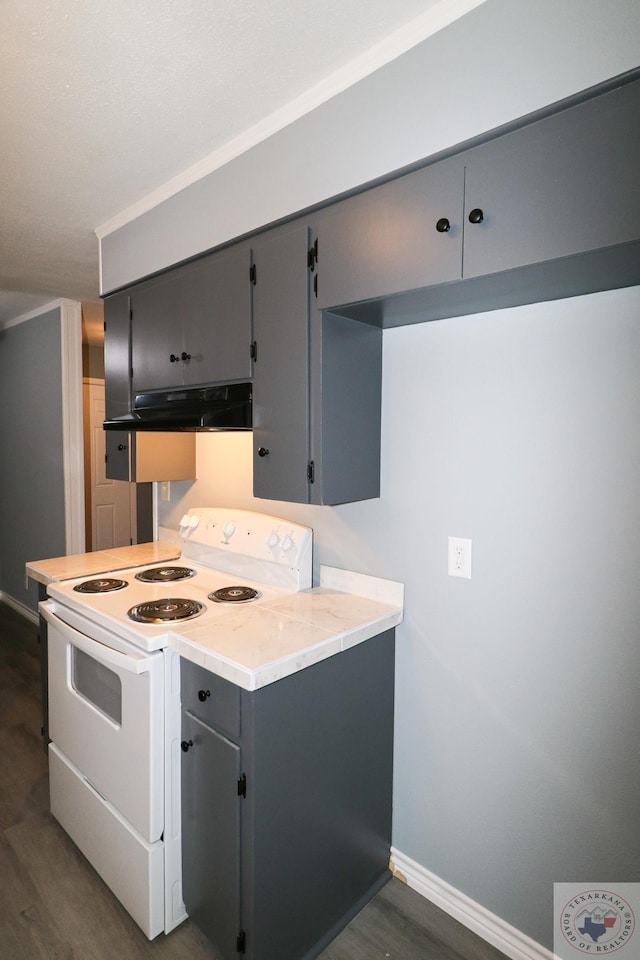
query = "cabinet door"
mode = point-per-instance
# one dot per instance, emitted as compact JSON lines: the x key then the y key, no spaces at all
{"x":117,"y":356}
{"x":561,"y":186}
{"x":398,"y":236}
{"x":211,"y":833}
{"x":216,"y":313}
{"x":193,"y":326}
{"x":156,"y":335}
{"x":281,"y":368}
{"x":118,"y":456}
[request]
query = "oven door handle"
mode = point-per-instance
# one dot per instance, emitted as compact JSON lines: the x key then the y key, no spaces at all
{"x":134,"y":662}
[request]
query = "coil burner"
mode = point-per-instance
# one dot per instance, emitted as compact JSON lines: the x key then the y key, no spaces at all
{"x":167,"y":610}
{"x":100,"y":585}
{"x":165,"y":574}
{"x":234,"y":595}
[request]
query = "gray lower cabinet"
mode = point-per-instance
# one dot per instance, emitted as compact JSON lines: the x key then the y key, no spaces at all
{"x":192,"y":326}
{"x":286,"y":802}
{"x":211,"y":833}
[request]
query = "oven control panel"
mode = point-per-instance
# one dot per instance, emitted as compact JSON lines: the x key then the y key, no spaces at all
{"x":247,"y":534}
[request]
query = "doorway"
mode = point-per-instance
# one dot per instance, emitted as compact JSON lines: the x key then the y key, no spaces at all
{"x":110,"y":504}
{"x":116,"y":513}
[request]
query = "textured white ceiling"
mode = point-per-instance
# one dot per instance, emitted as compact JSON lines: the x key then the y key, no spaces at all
{"x":102,"y":103}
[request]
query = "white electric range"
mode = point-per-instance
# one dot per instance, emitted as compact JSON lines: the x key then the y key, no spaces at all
{"x":114,"y":693}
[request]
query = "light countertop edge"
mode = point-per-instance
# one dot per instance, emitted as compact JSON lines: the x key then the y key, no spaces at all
{"x":99,"y":561}
{"x":345,"y":610}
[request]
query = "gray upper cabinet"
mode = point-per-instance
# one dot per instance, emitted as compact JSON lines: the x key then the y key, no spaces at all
{"x":117,"y":356}
{"x":564,"y":185}
{"x":346,"y":392}
{"x":192,"y":326}
{"x":545,"y":209}
{"x":316,"y":384}
{"x":281,"y":367}
{"x":146,"y":457}
{"x":398,"y":236}
{"x":551,"y":210}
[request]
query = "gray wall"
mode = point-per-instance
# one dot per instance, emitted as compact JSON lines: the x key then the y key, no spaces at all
{"x":32,"y":524}
{"x":518,"y":713}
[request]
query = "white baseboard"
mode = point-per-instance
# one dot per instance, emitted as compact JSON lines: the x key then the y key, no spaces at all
{"x":496,"y":931}
{"x":19,"y":607}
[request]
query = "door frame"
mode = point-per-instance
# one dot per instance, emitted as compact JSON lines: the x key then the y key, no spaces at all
{"x":72,"y":424}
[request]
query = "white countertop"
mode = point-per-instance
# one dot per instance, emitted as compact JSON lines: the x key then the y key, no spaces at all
{"x":256,"y":646}
{"x":99,"y":561}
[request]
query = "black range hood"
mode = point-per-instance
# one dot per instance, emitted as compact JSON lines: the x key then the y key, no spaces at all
{"x":195,"y":408}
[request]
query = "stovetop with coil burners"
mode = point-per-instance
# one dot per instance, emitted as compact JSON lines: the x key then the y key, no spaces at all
{"x":142,"y":605}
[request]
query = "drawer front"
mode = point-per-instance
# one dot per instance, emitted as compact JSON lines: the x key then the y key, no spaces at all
{"x":109,"y":842}
{"x":211,"y":699}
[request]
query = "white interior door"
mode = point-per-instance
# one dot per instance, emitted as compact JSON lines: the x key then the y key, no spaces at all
{"x":113,"y":516}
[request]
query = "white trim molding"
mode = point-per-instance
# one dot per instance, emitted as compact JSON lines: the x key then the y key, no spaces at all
{"x":19,"y":607}
{"x":72,"y":425}
{"x":496,"y":931}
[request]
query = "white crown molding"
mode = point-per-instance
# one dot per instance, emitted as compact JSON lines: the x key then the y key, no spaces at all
{"x":393,"y":46}
{"x":36,"y":312}
{"x":493,"y":929}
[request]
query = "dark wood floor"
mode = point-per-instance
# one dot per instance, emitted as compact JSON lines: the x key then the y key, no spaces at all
{"x":53,"y":906}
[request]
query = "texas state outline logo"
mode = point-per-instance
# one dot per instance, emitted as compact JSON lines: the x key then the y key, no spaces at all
{"x":595,"y":920}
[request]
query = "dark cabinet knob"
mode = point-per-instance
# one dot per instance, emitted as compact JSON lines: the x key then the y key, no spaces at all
{"x":185,"y":356}
{"x":203,"y":694}
{"x":186,"y":744}
{"x":173,"y":358}
{"x":263,"y":452}
{"x":476,"y":215}
{"x":443,"y":225}
{"x":122,"y":446}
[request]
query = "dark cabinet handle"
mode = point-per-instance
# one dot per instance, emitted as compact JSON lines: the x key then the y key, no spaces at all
{"x":173,"y":358}
{"x":443,"y":225}
{"x":476,"y":215}
{"x":203,"y":694}
{"x":263,"y":452}
{"x":122,"y":446}
{"x":186,"y":744}
{"x":185,"y":356}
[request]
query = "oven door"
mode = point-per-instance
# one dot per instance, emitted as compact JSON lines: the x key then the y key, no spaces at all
{"x":106,"y":714}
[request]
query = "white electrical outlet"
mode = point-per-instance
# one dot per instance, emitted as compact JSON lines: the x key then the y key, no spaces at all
{"x":459,"y":558}
{"x":165,"y":490}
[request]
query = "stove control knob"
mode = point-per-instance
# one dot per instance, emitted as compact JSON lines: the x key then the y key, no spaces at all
{"x":287,"y":543}
{"x":273,"y":540}
{"x":229,"y":529}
